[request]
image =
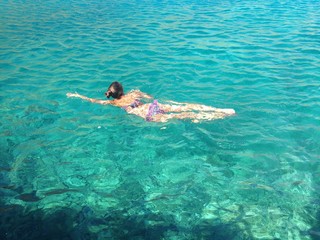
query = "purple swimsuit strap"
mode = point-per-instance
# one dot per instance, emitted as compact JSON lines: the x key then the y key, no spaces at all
{"x":134,"y":104}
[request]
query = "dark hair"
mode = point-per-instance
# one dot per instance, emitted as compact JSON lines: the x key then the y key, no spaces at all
{"x":115,"y":90}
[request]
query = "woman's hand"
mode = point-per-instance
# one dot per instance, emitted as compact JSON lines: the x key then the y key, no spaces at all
{"x":76,"y":95}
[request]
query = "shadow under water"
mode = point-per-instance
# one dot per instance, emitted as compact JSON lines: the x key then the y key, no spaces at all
{"x":16,"y":222}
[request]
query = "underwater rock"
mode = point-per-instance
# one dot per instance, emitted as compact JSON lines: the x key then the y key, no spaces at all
{"x":215,"y":160}
{"x":76,"y":181}
{"x":82,"y":220}
{"x":39,"y":116}
{"x":228,"y":173}
{"x":85,"y":214}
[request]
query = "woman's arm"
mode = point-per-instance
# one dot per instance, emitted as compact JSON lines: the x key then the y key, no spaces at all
{"x":77,"y":95}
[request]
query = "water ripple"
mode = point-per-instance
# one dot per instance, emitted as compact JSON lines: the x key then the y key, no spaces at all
{"x":256,"y":173}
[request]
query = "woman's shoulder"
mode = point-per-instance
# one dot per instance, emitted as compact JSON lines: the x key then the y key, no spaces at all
{"x":136,"y":93}
{"x":126,"y":99}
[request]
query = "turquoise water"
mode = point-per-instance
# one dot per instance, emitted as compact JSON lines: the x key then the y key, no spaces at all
{"x":74,"y":170}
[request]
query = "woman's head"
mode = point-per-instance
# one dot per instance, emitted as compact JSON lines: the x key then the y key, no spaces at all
{"x":115,"y":90}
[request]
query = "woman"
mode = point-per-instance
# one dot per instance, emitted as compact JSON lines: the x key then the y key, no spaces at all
{"x":154,"y":111}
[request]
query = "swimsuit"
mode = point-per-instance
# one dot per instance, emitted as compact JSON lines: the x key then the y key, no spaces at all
{"x":153,"y":110}
{"x":134,"y":104}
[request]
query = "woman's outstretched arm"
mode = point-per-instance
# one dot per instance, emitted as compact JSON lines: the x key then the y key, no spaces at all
{"x":77,"y":95}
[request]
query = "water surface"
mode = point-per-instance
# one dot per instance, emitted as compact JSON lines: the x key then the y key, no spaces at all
{"x":74,"y":170}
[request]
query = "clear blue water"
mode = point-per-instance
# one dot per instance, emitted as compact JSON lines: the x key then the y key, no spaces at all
{"x":74,"y":170}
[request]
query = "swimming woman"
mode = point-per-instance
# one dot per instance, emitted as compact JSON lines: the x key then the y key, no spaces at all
{"x":136,"y":102}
